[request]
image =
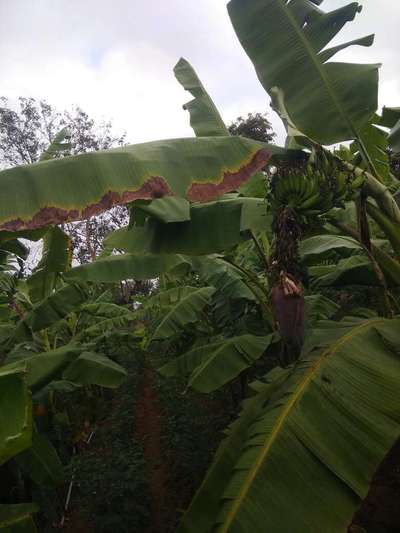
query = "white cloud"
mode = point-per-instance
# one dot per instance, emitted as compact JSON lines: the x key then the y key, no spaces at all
{"x":115,"y":59}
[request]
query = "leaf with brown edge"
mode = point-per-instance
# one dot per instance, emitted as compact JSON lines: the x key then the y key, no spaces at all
{"x":78,"y":187}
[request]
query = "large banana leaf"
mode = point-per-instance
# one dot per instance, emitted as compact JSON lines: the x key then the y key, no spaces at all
{"x":41,"y":462}
{"x":17,"y":518}
{"x":204,"y":116}
{"x":213,"y":365}
{"x":186,"y":311}
{"x":128,"y":266}
{"x":286,"y":41}
{"x":72,"y":188}
{"x":309,"y":454}
{"x":15,"y":413}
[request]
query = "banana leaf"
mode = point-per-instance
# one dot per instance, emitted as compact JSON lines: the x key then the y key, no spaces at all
{"x":56,"y":258}
{"x":78,"y":187}
{"x":95,"y":369}
{"x":287,"y":41}
{"x":41,"y":462}
{"x":44,"y":367}
{"x":391,"y":119}
{"x":128,"y":266}
{"x":15,"y":413}
{"x":17,"y":518}
{"x":204,"y":116}
{"x":186,"y":311}
{"x":213,"y":365}
{"x":316,"y":442}
{"x":213,"y":227}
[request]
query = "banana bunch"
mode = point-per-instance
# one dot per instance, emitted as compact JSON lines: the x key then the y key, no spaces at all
{"x":315,"y":189}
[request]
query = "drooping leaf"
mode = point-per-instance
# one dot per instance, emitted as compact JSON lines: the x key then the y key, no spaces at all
{"x":15,"y":413}
{"x":95,"y":369}
{"x":286,"y":41}
{"x":301,"y":447}
{"x":355,"y":270}
{"x":213,"y":227}
{"x":224,"y":277}
{"x":318,"y":307}
{"x":204,"y":116}
{"x":213,"y":365}
{"x":186,"y":311}
{"x":321,"y":245}
{"x":127,"y":266}
{"x":17,"y":518}
{"x":77,"y":187}
{"x":56,"y":258}
{"x":41,"y":462}
{"x":169,"y":209}
{"x":51,"y":310}
{"x":44,"y":367}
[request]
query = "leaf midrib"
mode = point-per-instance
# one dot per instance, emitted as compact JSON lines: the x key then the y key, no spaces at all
{"x":271,"y":438}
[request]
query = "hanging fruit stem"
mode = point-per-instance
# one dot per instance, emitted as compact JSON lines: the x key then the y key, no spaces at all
{"x":286,"y":279}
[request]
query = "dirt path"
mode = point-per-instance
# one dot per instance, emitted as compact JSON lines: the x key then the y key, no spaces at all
{"x":149,"y":432}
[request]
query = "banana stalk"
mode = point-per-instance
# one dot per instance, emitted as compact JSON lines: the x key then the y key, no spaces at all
{"x":378,"y":191}
{"x":391,"y":229}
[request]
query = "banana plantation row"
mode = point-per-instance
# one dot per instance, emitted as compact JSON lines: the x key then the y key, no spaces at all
{"x":250,"y":248}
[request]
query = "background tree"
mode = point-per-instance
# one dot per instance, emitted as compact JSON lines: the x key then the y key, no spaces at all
{"x":27,"y":129}
{"x":255,"y":127}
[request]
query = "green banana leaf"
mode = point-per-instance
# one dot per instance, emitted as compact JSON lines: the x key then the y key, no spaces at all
{"x":376,"y":142}
{"x":316,"y":442}
{"x":319,"y":307}
{"x":204,"y":116}
{"x":321,"y":246}
{"x":95,"y":369}
{"x":169,"y":209}
{"x":168,"y":298}
{"x":17,"y":518}
{"x":213,"y":365}
{"x":15,"y":247}
{"x":186,"y":311}
{"x":391,"y":119}
{"x":78,"y":187}
{"x":213,"y":227}
{"x":56,"y":258}
{"x":354,"y":270}
{"x":41,"y":462}
{"x":44,"y":367}
{"x":15,"y":413}
{"x":51,"y":310}
{"x":227,"y":279}
{"x":58,"y":146}
{"x":128,"y":266}
{"x":286,"y":40}
{"x":204,"y":507}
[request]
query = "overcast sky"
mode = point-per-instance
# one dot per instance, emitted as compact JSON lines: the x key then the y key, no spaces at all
{"x":114,"y":58}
